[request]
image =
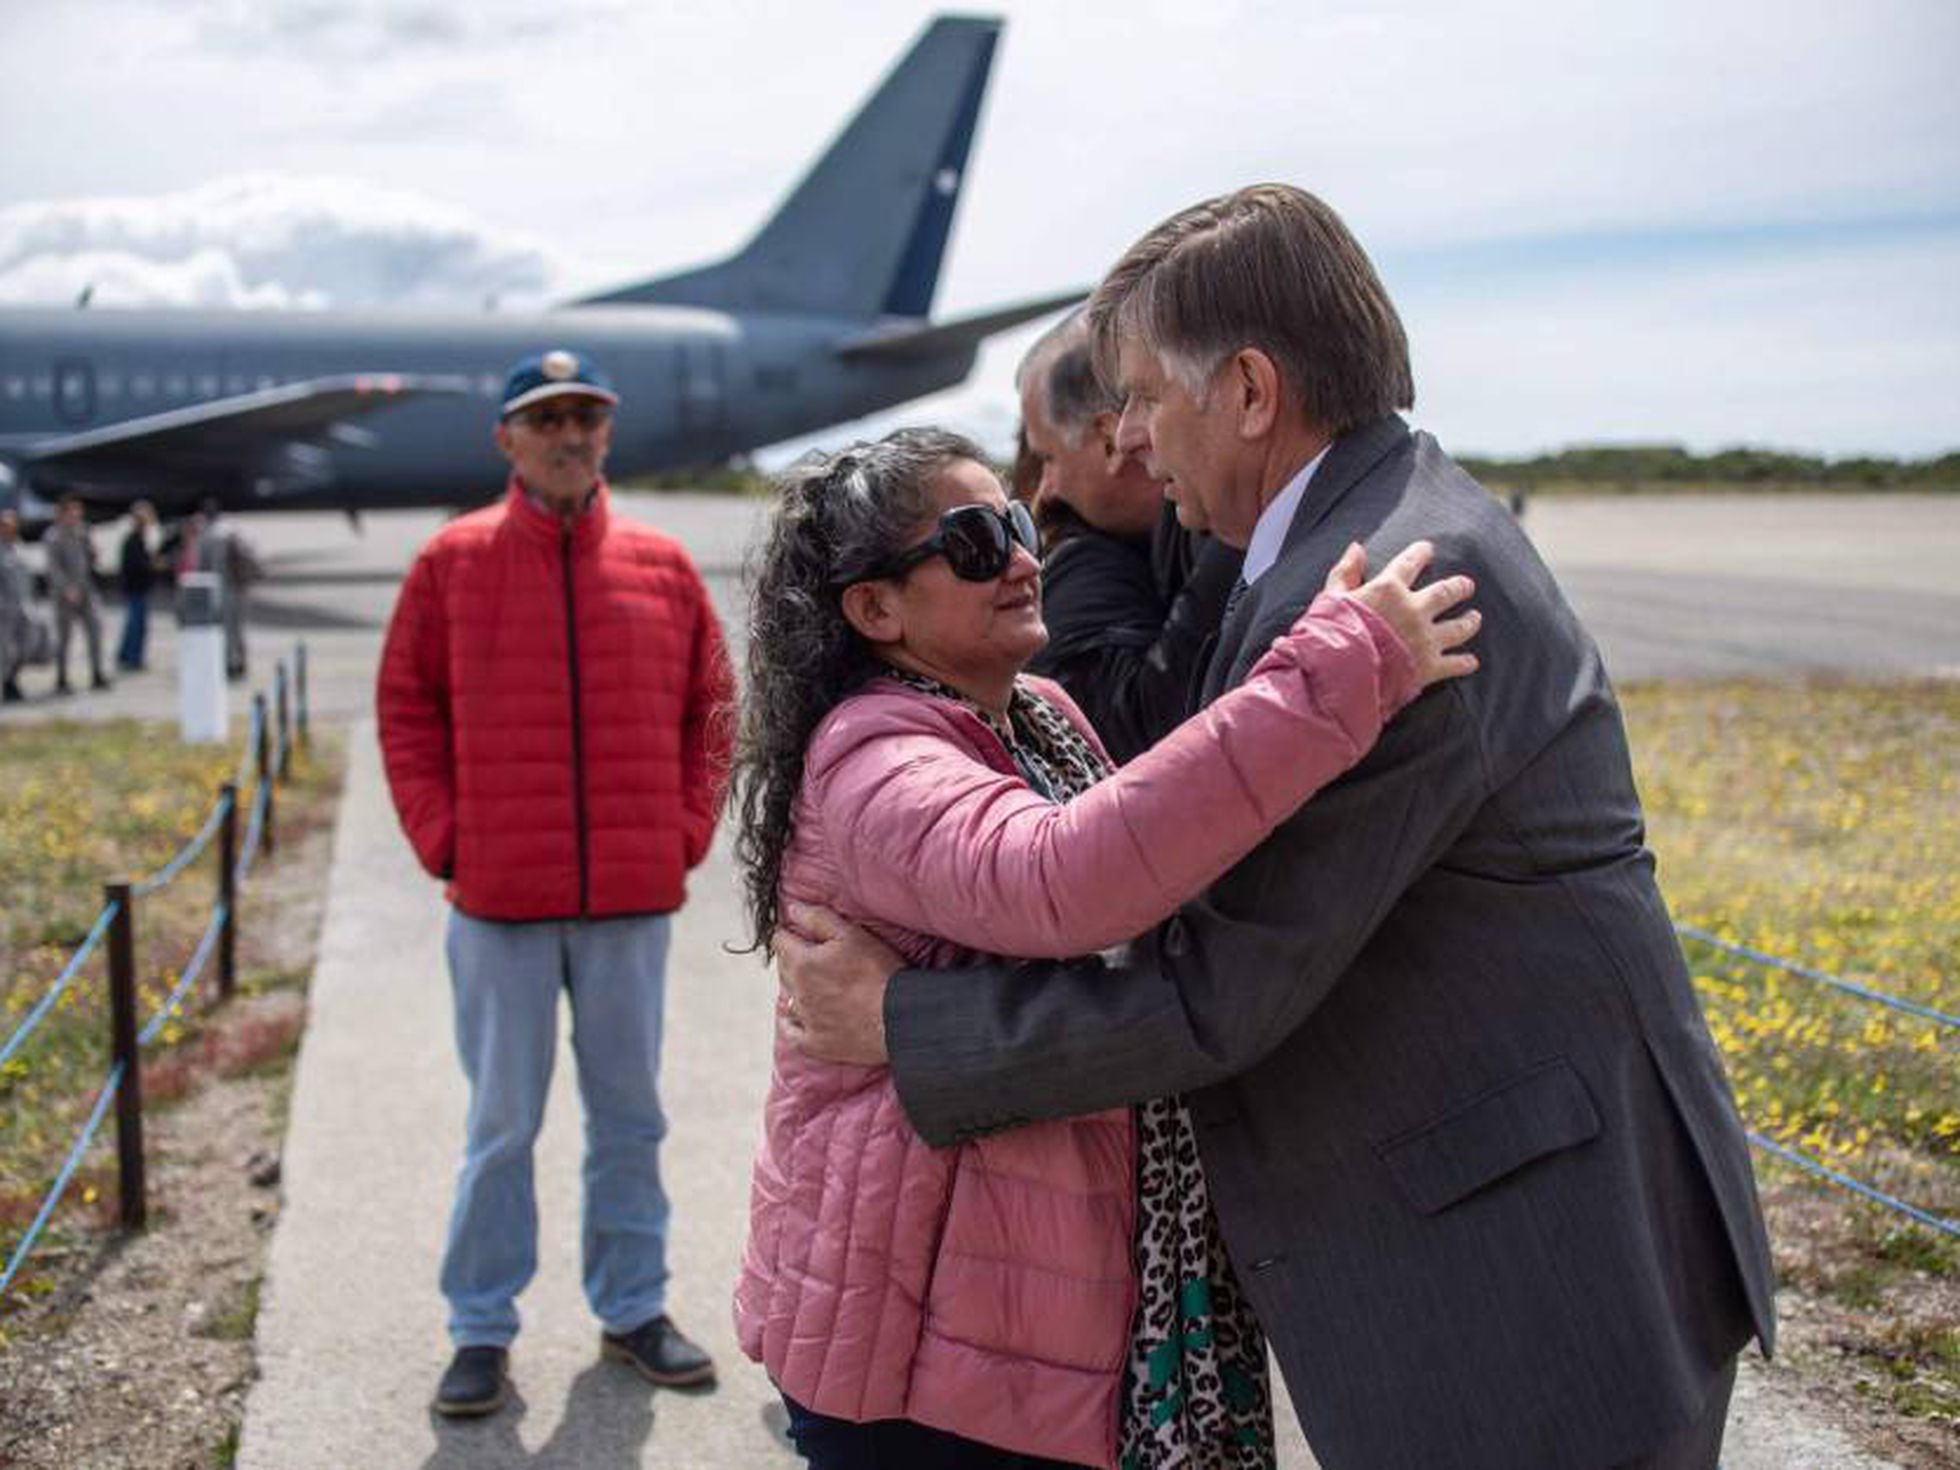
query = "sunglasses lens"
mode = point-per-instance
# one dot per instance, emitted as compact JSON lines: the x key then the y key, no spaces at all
{"x":583,"y":415}
{"x":1021,"y":523}
{"x":976,"y":542}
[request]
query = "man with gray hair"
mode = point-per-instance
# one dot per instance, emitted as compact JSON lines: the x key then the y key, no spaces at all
{"x":1469,"y":1142}
{"x":1130,"y":599}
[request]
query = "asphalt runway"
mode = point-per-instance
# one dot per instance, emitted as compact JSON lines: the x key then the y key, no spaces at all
{"x":1674,"y":587}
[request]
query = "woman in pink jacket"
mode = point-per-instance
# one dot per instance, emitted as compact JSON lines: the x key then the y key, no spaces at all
{"x":1057,"y":1292}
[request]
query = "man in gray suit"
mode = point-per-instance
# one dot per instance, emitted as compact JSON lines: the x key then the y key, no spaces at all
{"x":1470,"y":1144}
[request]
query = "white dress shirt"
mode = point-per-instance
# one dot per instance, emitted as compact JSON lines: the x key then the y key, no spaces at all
{"x":1269,"y":534}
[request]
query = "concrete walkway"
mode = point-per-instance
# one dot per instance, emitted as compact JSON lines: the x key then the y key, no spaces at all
{"x":350,"y":1331}
{"x":351,"y":1325}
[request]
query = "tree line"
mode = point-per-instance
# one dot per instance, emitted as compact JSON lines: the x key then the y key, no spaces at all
{"x":1583,"y":468}
{"x":1671,"y":467}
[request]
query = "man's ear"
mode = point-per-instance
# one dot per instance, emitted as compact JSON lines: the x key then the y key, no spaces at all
{"x":1255,"y":380}
{"x":503,"y":439}
{"x":871,"y":608}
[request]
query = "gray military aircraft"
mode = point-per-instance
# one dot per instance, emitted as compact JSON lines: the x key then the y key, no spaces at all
{"x":821,"y":318}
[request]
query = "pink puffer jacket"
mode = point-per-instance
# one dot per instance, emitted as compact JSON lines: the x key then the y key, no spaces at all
{"x":987,"y":1289}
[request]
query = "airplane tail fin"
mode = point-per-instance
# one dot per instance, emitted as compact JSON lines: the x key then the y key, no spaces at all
{"x":864,"y":231}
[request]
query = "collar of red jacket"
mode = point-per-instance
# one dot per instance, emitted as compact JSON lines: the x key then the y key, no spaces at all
{"x":588,"y":526}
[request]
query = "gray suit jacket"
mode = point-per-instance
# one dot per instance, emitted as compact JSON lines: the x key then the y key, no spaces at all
{"x":1471,"y":1146}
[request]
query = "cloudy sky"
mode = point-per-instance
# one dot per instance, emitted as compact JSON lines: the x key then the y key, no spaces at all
{"x":1701,"y":221}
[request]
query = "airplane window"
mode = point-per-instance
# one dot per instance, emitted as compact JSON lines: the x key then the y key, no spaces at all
{"x":235,"y":383}
{"x":267,"y":382}
{"x":207,"y":385}
{"x":143,"y":385}
{"x":487,"y":386}
{"x":176,"y":385}
{"x":16,"y":387}
{"x":109,"y":385}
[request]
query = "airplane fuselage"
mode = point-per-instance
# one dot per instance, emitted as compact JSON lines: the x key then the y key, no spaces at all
{"x":695,"y":385}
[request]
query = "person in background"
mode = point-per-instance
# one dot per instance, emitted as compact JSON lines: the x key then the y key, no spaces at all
{"x":217,"y":546}
{"x":137,"y":571}
{"x":16,"y":592}
{"x":555,"y":710}
{"x":1131,"y":599}
{"x":71,"y":587}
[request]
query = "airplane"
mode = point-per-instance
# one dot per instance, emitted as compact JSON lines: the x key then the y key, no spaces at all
{"x":824,"y":316}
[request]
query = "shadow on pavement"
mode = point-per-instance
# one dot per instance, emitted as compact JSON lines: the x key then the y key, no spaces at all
{"x":607,"y":1418}
{"x":269,"y":612}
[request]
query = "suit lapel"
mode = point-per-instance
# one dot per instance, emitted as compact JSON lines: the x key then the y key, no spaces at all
{"x":1353,"y":455}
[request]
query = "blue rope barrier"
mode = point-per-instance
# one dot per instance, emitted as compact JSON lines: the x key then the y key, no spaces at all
{"x":192,"y":968}
{"x":67,"y":1173}
{"x":184,"y":857}
{"x":254,"y":830}
{"x":46,"y":1003}
{"x":1862,"y":992}
{"x":1845,"y":1181}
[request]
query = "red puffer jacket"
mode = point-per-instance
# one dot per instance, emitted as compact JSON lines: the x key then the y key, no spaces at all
{"x":555,"y":706}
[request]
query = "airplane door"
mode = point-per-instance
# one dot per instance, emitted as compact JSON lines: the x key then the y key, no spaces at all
{"x":704,"y":404}
{"x":74,"y":392}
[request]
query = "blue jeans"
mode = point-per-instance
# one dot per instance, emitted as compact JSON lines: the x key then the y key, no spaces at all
{"x":136,"y":630}
{"x":896,"y":1444}
{"x":507,"y":978}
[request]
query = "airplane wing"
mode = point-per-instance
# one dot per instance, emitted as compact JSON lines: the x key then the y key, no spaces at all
{"x":269,"y":427}
{"x":930,"y":339}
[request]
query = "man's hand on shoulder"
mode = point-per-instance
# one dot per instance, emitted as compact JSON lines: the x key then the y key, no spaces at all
{"x":833,"y":977}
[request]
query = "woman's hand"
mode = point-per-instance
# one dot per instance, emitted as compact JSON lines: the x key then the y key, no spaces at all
{"x":1421,"y":617}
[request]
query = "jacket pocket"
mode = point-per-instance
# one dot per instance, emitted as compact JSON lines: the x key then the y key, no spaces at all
{"x":1479,"y":1142}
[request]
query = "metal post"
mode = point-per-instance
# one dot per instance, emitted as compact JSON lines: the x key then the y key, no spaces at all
{"x":267,"y":787}
{"x":122,"y":1049}
{"x":280,"y":703}
{"x":299,"y":680}
{"x":228,"y":891}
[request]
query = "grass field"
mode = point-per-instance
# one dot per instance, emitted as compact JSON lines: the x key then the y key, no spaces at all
{"x":80,"y":804}
{"x":1821,"y":824}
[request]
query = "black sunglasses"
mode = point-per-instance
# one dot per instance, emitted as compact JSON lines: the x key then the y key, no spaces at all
{"x":586,"y":414}
{"x":977,"y":541}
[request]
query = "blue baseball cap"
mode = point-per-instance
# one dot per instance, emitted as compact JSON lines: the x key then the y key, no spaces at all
{"x":555,"y":374}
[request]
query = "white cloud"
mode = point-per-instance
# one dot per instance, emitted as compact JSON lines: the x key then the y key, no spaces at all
{"x":264,"y":240}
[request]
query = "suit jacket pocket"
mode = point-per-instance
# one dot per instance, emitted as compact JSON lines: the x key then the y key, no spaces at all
{"x":1494,"y":1134}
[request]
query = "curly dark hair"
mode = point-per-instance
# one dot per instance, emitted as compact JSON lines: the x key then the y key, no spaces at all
{"x":838,"y":516}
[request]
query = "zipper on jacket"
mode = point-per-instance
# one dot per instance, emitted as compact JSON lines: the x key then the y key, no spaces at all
{"x":578,"y":732}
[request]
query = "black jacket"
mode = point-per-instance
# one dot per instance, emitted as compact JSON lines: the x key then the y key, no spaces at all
{"x":138,"y":571}
{"x":1128,"y":621}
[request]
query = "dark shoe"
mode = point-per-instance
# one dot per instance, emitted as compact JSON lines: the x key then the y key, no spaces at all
{"x":10,"y":693}
{"x":475,"y":1383}
{"x":62,"y":687}
{"x":660,"y":1353}
{"x":101,"y":681}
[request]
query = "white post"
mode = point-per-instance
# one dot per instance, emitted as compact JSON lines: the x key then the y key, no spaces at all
{"x":201,"y":698}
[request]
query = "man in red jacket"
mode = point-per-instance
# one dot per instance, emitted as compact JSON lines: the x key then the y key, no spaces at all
{"x":555,"y":708}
